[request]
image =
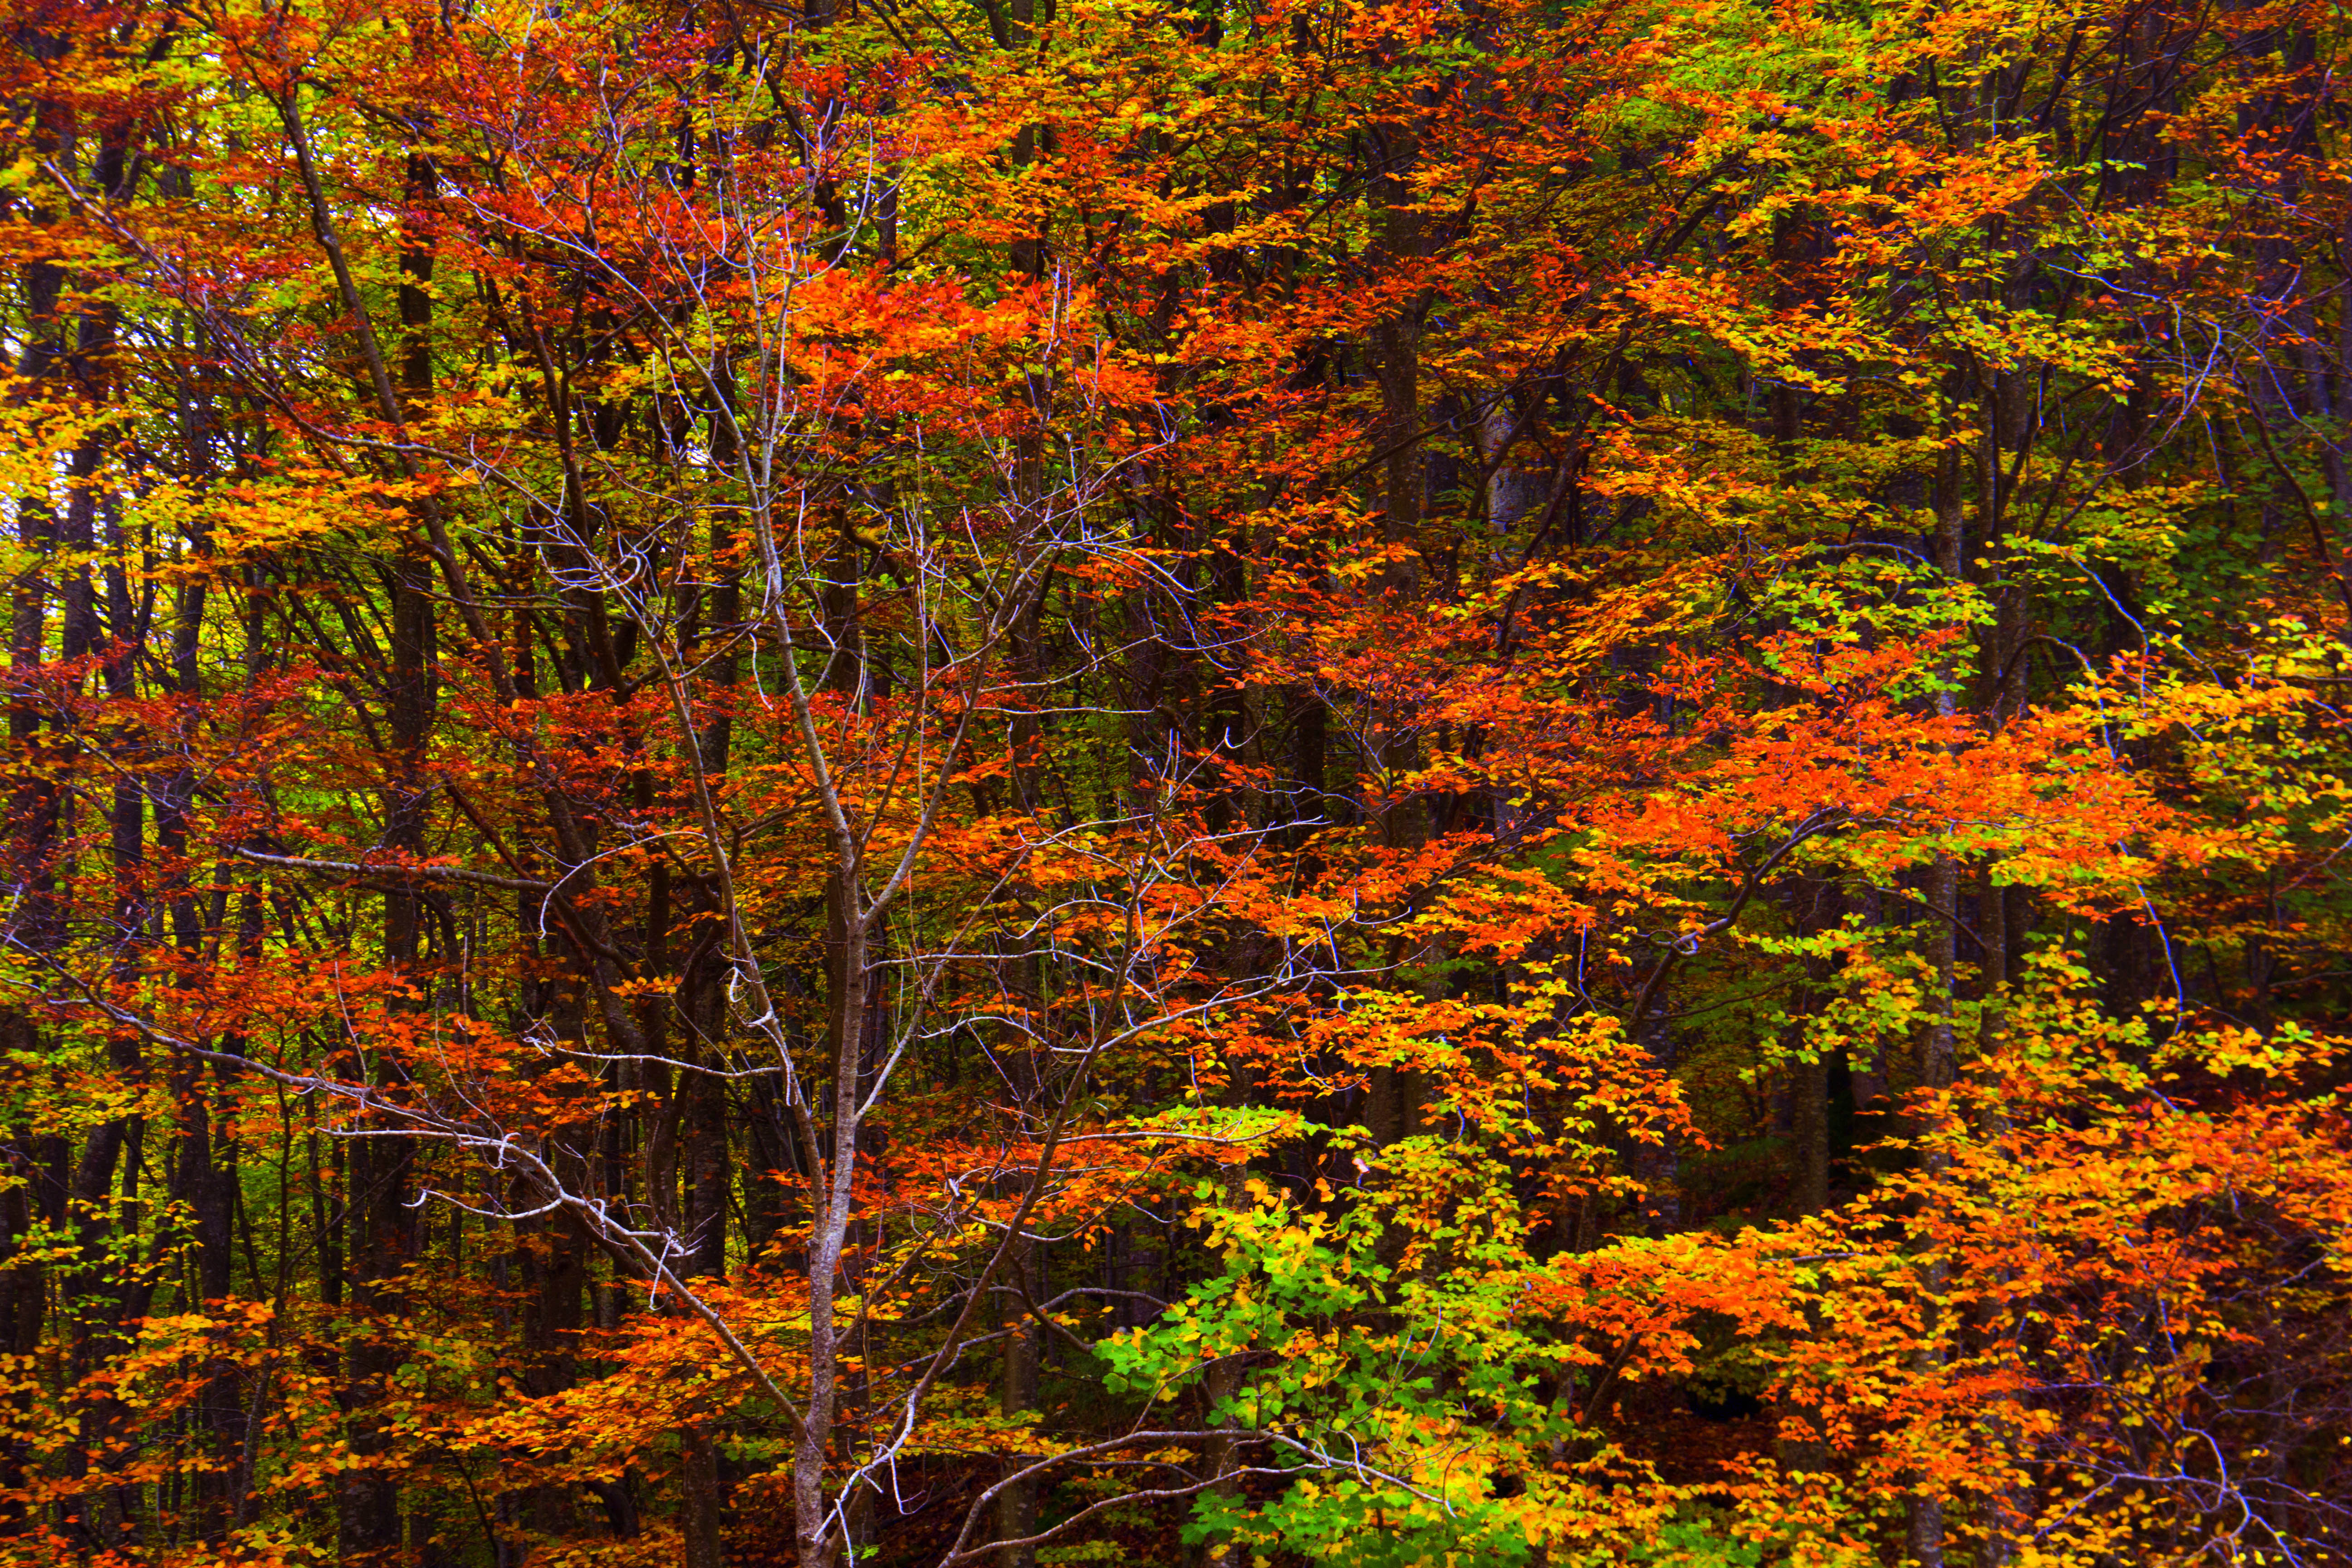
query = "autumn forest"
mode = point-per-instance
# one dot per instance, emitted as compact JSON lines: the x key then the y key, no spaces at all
{"x":1003,"y":783}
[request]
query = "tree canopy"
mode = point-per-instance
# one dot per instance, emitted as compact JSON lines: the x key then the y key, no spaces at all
{"x":935,"y":782}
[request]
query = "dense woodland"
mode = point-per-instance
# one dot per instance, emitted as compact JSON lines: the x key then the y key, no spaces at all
{"x":1024,"y":782}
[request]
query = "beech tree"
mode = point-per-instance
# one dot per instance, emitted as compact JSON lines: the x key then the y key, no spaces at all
{"x":872,"y":783}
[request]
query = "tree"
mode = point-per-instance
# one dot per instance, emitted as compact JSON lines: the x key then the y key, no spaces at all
{"x":1548,"y":783}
